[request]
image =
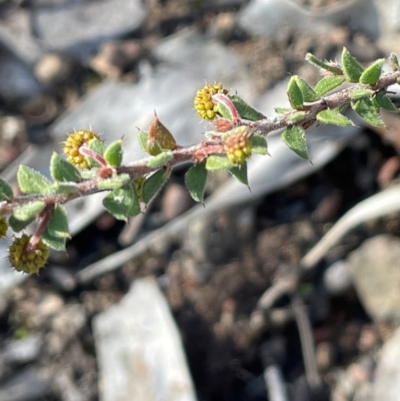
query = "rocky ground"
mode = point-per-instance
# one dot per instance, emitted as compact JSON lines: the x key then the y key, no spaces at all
{"x":214,"y":277}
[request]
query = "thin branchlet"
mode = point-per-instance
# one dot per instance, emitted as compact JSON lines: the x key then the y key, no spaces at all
{"x":181,"y":155}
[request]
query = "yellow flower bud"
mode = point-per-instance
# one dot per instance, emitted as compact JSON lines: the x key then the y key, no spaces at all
{"x":203,"y":103}
{"x":74,"y":141}
{"x":27,"y":260}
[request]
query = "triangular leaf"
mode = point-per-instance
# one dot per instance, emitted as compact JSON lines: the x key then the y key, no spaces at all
{"x":18,"y":225}
{"x":385,"y":102}
{"x":325,"y":66}
{"x":309,"y":95}
{"x":226,"y":107}
{"x":296,"y":116}
{"x":245,"y":110}
{"x":394,"y":62}
{"x":372,"y":73}
{"x":217,"y":162}
{"x":283,"y":110}
{"x":258,"y":144}
{"x":29,"y":210}
{"x":326,"y":84}
{"x":114,"y":182}
{"x":64,"y":188}
{"x":161,"y":159}
{"x":153,"y":184}
{"x":294,"y":93}
{"x":61,"y":170}
{"x":240,"y":172}
{"x":6,"y":192}
{"x":351,"y":67}
{"x":58,"y":224}
{"x":143,"y":138}
{"x":357,"y":93}
{"x":122,"y":203}
{"x":195,"y":180}
{"x":31,"y":181}
{"x":99,"y":147}
{"x":333,"y":117}
{"x":295,"y":138}
{"x":135,"y":207}
{"x":56,"y":243}
{"x":113,"y":154}
{"x":366,"y":109}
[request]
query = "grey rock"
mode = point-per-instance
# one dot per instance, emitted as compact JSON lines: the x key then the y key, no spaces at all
{"x":24,"y":350}
{"x":139,"y":350}
{"x":266,"y":17}
{"x":16,"y":32}
{"x":375,"y":268}
{"x":387,"y":374}
{"x":16,"y":78}
{"x":26,"y":385}
{"x":79,"y":27}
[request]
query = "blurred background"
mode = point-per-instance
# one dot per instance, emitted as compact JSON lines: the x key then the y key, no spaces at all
{"x":287,"y":292}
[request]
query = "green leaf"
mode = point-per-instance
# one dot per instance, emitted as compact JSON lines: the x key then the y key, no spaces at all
{"x":258,"y":144}
{"x":31,"y":181}
{"x":122,"y":203}
{"x":366,"y":109}
{"x":18,"y":225}
{"x":6,"y":192}
{"x":61,"y":170}
{"x":153,"y":184}
{"x":351,"y":67}
{"x":25,"y":215}
{"x":226,"y":107}
{"x":296,"y":116}
{"x":64,"y":188}
{"x":326,"y":84}
{"x":320,"y":64}
{"x":334,"y":118}
{"x":217,"y":162}
{"x":56,"y":243}
{"x":99,"y":147}
{"x":161,"y":159}
{"x":58,"y":224}
{"x":114,"y":182}
{"x":360,"y":93}
{"x":294,"y":93}
{"x":143,"y":138}
{"x":240,"y":172}
{"x":394,"y":62}
{"x":195,"y":180}
{"x":295,"y":139}
{"x":283,"y":110}
{"x":113,"y":154}
{"x":28,"y":211}
{"x":385,"y":102}
{"x":372,"y":73}
{"x":308,"y":93}
{"x":245,"y":110}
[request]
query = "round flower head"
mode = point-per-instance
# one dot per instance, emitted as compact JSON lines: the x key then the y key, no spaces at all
{"x":3,"y":227}
{"x":237,"y":146}
{"x":72,"y":145}
{"x":27,"y":260}
{"x":205,"y":107}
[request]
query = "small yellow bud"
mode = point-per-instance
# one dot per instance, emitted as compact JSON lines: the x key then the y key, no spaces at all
{"x":203,"y":103}
{"x":74,"y":141}
{"x":27,"y":260}
{"x":237,"y":146}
